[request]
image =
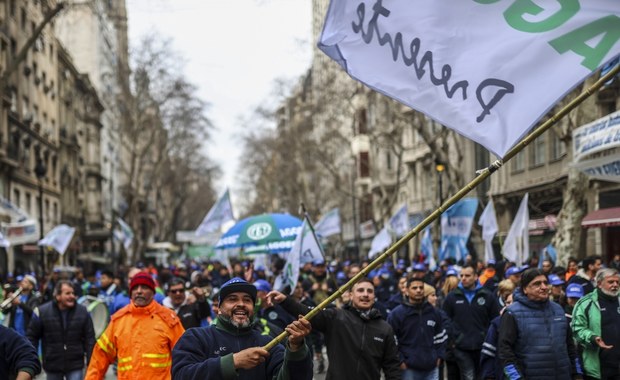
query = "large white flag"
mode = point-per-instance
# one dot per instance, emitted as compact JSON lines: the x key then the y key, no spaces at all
{"x":380,"y":242}
{"x":218,"y":215}
{"x":474,"y":66}
{"x":329,"y":224}
{"x":517,"y":244}
{"x":488,"y":222}
{"x":305,"y":248}
{"x":125,"y":234}
{"x":58,"y":238}
{"x":399,"y":222}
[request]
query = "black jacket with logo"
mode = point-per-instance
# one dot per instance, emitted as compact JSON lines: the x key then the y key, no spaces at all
{"x":359,"y":345}
{"x":470,"y":321}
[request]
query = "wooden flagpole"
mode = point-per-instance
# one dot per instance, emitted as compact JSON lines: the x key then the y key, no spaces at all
{"x":482,"y":175}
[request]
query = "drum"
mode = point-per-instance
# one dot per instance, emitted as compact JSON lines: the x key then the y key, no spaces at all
{"x":98,"y":312}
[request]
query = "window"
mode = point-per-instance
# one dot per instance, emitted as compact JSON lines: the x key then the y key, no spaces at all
{"x":23,"y":20}
{"x":47,"y":210}
{"x":364,"y":165}
{"x":27,"y":207}
{"x":55,"y":221}
{"x":361,"y":122}
{"x":558,"y":148}
{"x":518,"y":162}
{"x":538,"y":151}
{"x":388,"y":160}
{"x":16,"y":198}
{"x":12,"y":8}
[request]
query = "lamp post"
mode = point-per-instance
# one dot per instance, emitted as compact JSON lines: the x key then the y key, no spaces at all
{"x":440,"y":169}
{"x":40,"y":170}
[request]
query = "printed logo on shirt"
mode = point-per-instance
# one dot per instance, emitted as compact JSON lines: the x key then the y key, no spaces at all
{"x":378,"y":339}
{"x":460,"y":301}
{"x":272,"y":315}
{"x":481,"y":301}
{"x":220,"y":350}
{"x":431,"y":323}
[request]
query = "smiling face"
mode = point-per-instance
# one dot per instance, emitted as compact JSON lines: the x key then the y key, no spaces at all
{"x":142,"y":295}
{"x":363,"y":295}
{"x":239,"y":308}
{"x":65,"y":297}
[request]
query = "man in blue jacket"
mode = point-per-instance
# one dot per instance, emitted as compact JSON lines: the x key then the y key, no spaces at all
{"x":471,"y":307}
{"x":421,"y":336}
{"x":232,"y":348}
{"x":18,"y":358}
{"x":535,"y":340}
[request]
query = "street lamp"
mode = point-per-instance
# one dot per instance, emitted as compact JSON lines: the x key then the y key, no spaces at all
{"x":40,"y":170}
{"x":440,"y":169}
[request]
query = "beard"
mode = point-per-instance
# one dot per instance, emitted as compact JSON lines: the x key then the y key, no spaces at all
{"x":239,"y":325}
{"x":611,"y":293}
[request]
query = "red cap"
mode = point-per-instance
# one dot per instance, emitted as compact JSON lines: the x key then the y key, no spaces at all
{"x":142,"y":278}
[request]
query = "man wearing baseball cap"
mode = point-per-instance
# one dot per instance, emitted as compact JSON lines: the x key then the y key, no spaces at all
{"x":140,"y":336}
{"x":232,"y":348}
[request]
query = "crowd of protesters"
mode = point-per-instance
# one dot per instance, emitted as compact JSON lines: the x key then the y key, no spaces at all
{"x":466,"y":320}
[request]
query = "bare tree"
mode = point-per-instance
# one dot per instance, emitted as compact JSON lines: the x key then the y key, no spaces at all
{"x":163,"y":132}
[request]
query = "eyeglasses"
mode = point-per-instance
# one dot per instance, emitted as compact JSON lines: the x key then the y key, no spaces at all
{"x":177,"y":291}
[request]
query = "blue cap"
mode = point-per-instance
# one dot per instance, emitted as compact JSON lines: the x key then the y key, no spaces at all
{"x":317,"y":262}
{"x":419,"y":267}
{"x":237,"y":284}
{"x":574,"y":291}
{"x":401,"y":261}
{"x":451,"y":272}
{"x":491,"y":262}
{"x":341,"y":276}
{"x":401,"y":267}
{"x":555,"y":280}
{"x":259,"y":268}
{"x":513,"y":270}
{"x":262,"y":285}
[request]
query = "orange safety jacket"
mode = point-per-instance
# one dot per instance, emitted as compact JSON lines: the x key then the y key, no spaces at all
{"x":141,"y":339}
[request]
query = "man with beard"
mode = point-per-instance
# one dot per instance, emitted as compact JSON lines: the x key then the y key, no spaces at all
{"x":20,"y":312}
{"x":231,"y":348}
{"x":596,"y":327}
{"x":360,"y":344}
{"x":140,"y":336}
{"x":66,"y":332}
{"x":319,"y":283}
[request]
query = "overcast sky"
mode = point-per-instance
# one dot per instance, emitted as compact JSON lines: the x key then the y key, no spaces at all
{"x":234,"y":50}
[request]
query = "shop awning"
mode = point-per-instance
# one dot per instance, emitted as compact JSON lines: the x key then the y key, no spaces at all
{"x":605,"y":217}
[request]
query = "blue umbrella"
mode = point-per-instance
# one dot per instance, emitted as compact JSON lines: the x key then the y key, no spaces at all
{"x":266,"y":233}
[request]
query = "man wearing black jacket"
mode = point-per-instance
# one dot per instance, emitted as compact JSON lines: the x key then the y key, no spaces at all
{"x":360,"y":344}
{"x":471,"y":308}
{"x":67,"y":334}
{"x":18,"y":359}
{"x":192,"y":314}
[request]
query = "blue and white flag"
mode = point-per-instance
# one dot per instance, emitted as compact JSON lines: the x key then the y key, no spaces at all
{"x":58,"y":238}
{"x":3,"y":242}
{"x":220,"y":214}
{"x":457,"y":61}
{"x":306,"y":248}
{"x":329,"y":224}
{"x":125,"y":234}
{"x":380,"y":242}
{"x":550,"y":253}
{"x":488,"y":222}
{"x":456,"y":225}
{"x":399,"y":222}
{"x":426,"y":248}
{"x":517,"y":244}
{"x":16,"y":213}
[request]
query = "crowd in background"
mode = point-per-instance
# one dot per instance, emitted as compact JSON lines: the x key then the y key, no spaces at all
{"x":462,"y":301}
